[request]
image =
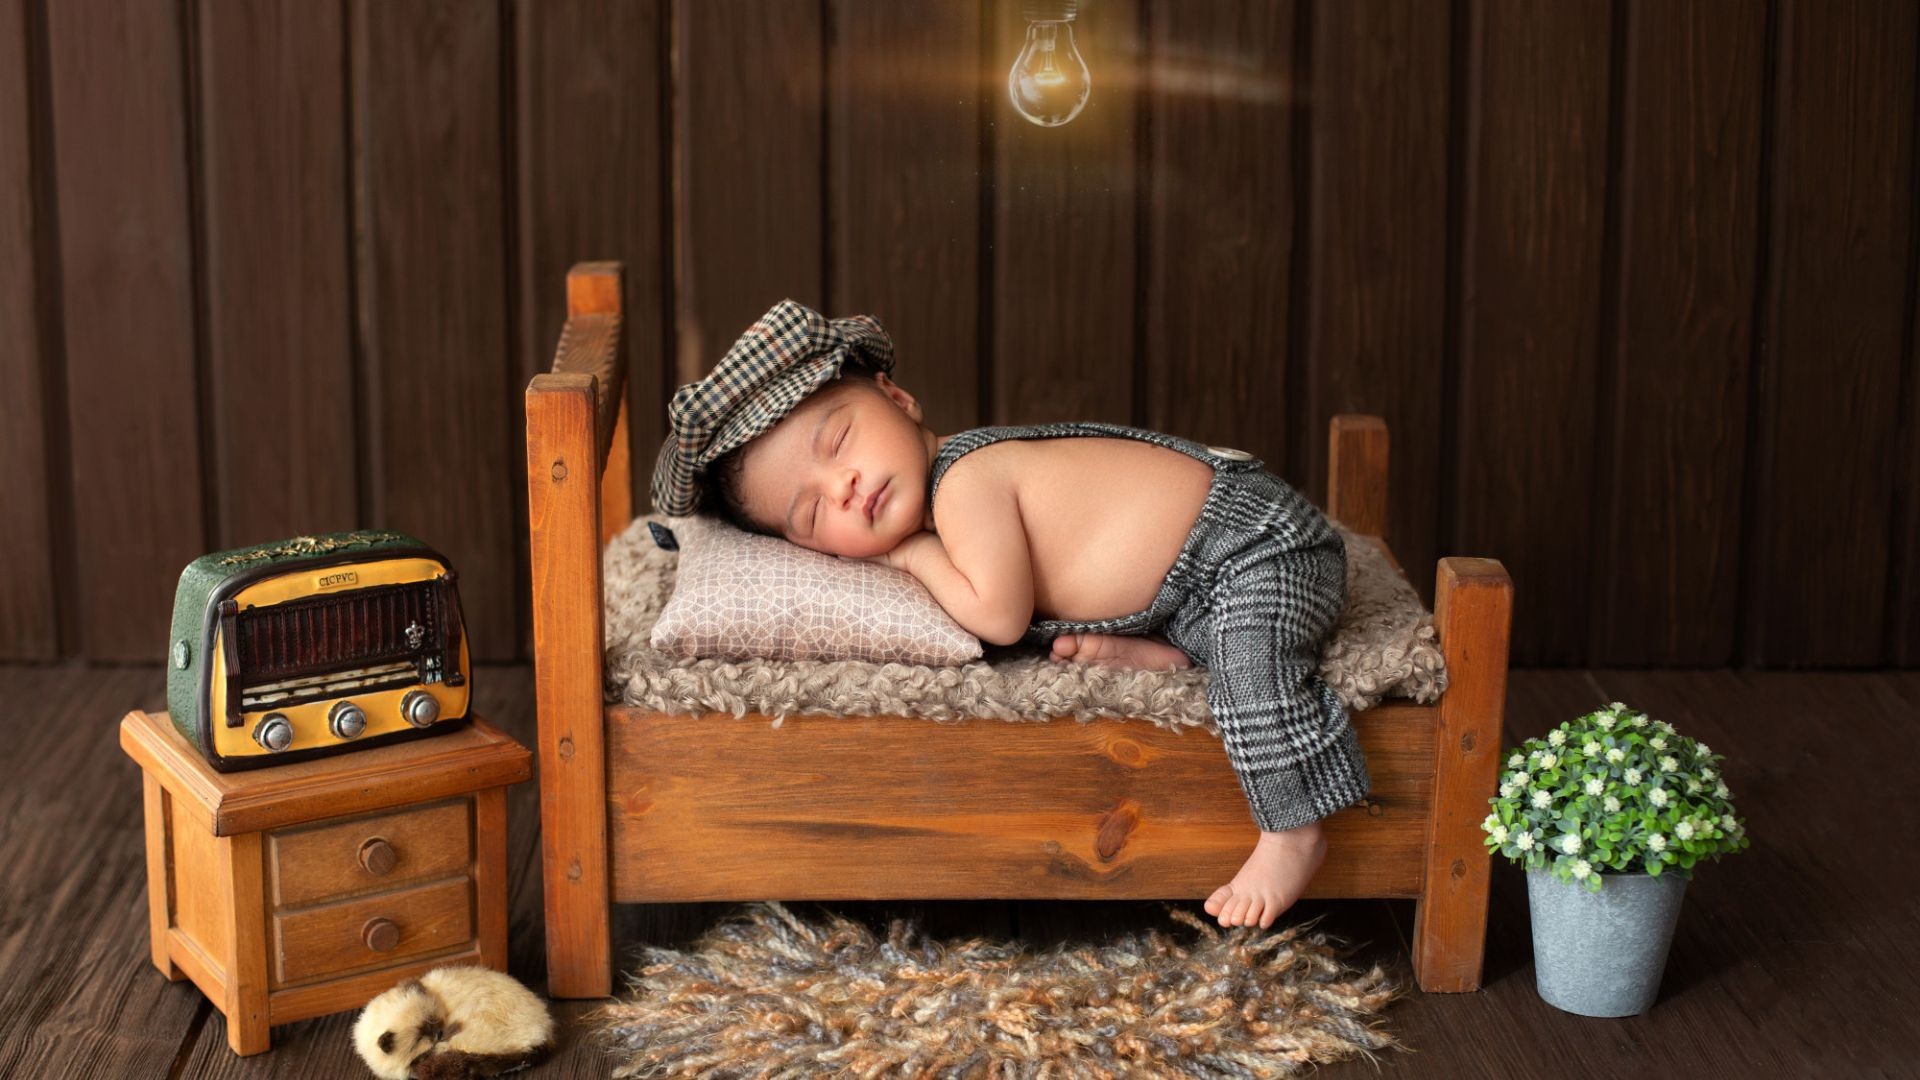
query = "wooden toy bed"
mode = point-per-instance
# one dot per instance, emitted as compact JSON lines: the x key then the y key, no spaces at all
{"x":643,"y":807}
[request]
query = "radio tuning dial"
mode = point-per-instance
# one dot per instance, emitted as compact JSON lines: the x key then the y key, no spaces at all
{"x":275,"y":733}
{"x":419,"y":708}
{"x":347,"y":720}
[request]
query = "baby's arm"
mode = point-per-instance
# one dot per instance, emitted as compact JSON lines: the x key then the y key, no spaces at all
{"x":982,"y":573}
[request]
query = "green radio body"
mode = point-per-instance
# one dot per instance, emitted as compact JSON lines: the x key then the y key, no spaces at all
{"x":316,"y":645}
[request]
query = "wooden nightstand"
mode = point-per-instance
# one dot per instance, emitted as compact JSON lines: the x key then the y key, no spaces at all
{"x":308,"y":888}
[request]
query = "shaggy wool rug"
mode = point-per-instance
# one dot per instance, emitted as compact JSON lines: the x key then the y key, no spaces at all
{"x":769,"y":995}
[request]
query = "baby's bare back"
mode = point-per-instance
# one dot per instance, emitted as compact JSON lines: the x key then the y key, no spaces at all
{"x":1105,"y":517}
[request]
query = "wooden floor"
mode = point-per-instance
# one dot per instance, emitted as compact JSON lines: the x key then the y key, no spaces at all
{"x":1795,"y":958}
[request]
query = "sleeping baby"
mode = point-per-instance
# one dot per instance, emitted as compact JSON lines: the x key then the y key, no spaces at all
{"x":1117,"y":545}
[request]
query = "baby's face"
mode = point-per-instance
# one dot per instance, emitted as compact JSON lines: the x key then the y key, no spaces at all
{"x":814,"y":474}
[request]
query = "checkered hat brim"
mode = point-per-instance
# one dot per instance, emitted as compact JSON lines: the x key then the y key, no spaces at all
{"x":788,"y":354}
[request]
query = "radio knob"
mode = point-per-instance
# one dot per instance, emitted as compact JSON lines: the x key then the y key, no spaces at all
{"x":347,"y":720}
{"x":419,"y":708}
{"x":275,"y":733}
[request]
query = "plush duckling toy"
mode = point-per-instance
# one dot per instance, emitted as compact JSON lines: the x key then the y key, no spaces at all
{"x":454,"y":1022}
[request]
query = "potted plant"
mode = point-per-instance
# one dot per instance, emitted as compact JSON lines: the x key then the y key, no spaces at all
{"x":1609,"y":813}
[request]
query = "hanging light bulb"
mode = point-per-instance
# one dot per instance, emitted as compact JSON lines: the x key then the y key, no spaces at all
{"x":1049,"y":82}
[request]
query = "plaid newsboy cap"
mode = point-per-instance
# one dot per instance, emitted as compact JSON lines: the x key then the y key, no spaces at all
{"x":785,"y":356}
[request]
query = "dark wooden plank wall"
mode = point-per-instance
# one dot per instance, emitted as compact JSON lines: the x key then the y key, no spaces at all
{"x":1632,"y":282}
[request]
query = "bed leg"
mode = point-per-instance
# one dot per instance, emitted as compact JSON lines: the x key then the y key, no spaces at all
{"x":563,"y":502}
{"x":1473,"y":611}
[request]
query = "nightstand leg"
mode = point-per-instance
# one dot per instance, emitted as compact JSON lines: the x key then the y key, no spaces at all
{"x":159,"y":878}
{"x":246,"y":990}
{"x":490,"y":874}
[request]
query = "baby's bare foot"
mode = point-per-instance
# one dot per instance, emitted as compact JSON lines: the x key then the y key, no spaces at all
{"x":1272,"y":878}
{"x":1120,"y":650}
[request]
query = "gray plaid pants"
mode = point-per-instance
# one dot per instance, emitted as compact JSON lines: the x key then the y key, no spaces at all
{"x":1256,"y":589}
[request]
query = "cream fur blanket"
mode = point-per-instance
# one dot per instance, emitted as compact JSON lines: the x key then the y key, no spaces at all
{"x":1385,"y":646}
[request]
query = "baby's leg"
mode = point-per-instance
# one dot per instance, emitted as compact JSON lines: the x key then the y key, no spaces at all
{"x":1287,"y":734}
{"x":1151,"y":652}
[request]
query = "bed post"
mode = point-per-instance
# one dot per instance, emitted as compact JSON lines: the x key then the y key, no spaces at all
{"x":1357,"y":473}
{"x":575,"y":457}
{"x":1473,"y":610}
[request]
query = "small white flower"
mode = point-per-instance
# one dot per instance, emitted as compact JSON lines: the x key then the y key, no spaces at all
{"x":1499,"y":834}
{"x":1522,"y":778}
{"x":1727,"y":822}
{"x":1570,"y":843}
{"x":1611,"y":804}
{"x":1548,"y":761}
{"x":1700,"y":749}
{"x":1693,"y":786}
{"x":1708,"y":773}
{"x":1581,"y":868}
{"x":1657,"y":842}
{"x":1633,"y":776}
{"x":1556,"y":738}
{"x":1541,"y":799}
{"x":1491,"y":821}
{"x":1658,"y":742}
{"x":1507,"y":790}
{"x":1658,"y":796}
{"x":1668,"y":763}
{"x":1595,"y":785}
{"x":1720,"y":789}
{"x":1606,"y":723}
{"x":1518,"y":759}
{"x":1615,"y":755}
{"x":1684,"y":830}
{"x":1617,"y":707}
{"x":1591,"y":748}
{"x":1640,"y":720}
{"x":1523,"y":840}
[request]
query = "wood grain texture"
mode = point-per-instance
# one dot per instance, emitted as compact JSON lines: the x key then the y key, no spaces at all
{"x":903,"y":190}
{"x":563,"y":515}
{"x":279,"y":344}
{"x":475,"y":754}
{"x":1667,"y":522}
{"x":1532,"y":210}
{"x":120,"y":144}
{"x":1473,"y":614}
{"x":1358,"y":449}
{"x":431,"y":254}
{"x":1376,"y":248}
{"x":1220,"y":98}
{"x":748,"y":107}
{"x":1102,"y":809}
{"x":594,"y":163}
{"x":29,"y":629}
{"x":1836,"y":317}
{"x":1064,"y":345}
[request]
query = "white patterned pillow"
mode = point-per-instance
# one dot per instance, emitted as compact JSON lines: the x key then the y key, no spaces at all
{"x":740,"y":595}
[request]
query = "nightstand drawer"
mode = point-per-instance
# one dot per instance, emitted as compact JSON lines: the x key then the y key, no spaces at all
{"x":341,"y":859}
{"x":371,"y":931}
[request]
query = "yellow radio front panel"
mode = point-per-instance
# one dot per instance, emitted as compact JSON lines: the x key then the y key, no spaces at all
{"x":310,"y":720}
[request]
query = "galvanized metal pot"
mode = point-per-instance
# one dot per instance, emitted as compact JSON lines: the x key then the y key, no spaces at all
{"x":1602,"y":953}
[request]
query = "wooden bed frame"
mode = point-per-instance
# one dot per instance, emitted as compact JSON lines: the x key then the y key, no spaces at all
{"x":643,"y":807}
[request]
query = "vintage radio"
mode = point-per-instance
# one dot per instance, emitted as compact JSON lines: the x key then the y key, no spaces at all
{"x":315,"y":645}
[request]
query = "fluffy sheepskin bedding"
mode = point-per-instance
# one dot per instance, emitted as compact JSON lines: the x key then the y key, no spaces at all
{"x":1385,"y":646}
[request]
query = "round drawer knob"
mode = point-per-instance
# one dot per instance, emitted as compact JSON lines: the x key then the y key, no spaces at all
{"x":381,"y":935}
{"x":419,"y":708}
{"x":347,"y":720}
{"x":275,"y":733}
{"x":377,"y":856}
